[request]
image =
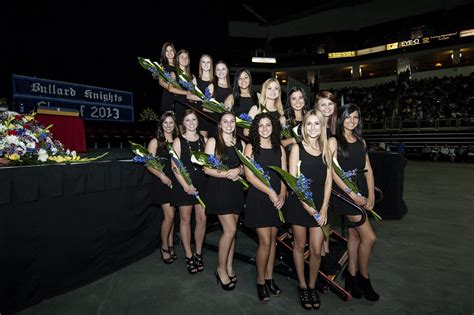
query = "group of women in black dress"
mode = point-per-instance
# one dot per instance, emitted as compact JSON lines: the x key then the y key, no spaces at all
{"x":325,"y":136}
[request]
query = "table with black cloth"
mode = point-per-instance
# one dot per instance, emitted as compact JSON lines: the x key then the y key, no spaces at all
{"x":64,"y":226}
{"x":67,"y":129}
{"x":389,"y":171}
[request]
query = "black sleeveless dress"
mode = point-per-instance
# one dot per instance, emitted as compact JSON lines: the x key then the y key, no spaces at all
{"x":162,"y":194}
{"x":242,"y":105}
{"x":313,"y":168}
{"x":220,"y":94}
{"x":259,"y":211}
{"x":355,"y":160}
{"x":199,"y":179}
{"x":167,"y":98}
{"x":226,"y":196}
{"x":204,"y":122}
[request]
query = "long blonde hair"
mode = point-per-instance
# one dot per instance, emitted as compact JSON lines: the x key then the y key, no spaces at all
{"x":263,"y":96}
{"x":211,"y":70}
{"x":322,"y":139}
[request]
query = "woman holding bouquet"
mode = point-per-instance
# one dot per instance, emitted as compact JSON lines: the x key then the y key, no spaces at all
{"x":222,"y":89}
{"x":226,"y":195}
{"x":185,"y":198}
{"x":183,"y":64}
{"x":242,"y":97}
{"x":326,"y":103}
{"x":271,"y":99}
{"x":168,"y":61}
{"x":262,"y":201}
{"x":203,"y":82}
{"x":350,"y":152}
{"x":296,"y":107}
{"x":163,"y":181}
{"x":313,"y":159}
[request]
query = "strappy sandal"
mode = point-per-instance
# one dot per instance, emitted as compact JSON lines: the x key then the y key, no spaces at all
{"x":304,"y":297}
{"x":199,"y":262}
{"x":315,"y":299}
{"x":172,"y":252}
{"x":168,"y":260}
{"x":191,"y":265}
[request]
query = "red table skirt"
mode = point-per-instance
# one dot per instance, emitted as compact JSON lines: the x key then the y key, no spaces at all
{"x":67,"y":129}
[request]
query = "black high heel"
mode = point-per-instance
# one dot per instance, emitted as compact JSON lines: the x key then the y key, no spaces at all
{"x":199,"y":262}
{"x":305,"y":300}
{"x":233,"y":278}
{"x":169,"y":260}
{"x":351,"y":284}
{"x":191,"y":265}
{"x":263,"y":295}
{"x":366,"y":288}
{"x":172,"y":252}
{"x":225,"y":286}
{"x":272,"y":287}
{"x":315,"y":299}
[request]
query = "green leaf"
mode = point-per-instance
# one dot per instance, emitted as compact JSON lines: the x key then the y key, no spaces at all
{"x":245,"y":161}
{"x":340,"y":173}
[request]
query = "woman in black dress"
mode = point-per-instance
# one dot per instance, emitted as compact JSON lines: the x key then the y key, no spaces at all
{"x":168,"y":61}
{"x":225,"y":195}
{"x":350,"y":151}
{"x":181,"y":94}
{"x":262,"y":201}
{"x":312,"y":158}
{"x":326,"y":103}
{"x":222,"y":90}
{"x":184,"y":196}
{"x":271,"y":99}
{"x":242,"y":97}
{"x":163,"y":182}
{"x":203,"y":82}
{"x":296,"y":107}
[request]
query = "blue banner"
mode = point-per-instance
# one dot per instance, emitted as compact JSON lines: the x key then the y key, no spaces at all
{"x":93,"y":103}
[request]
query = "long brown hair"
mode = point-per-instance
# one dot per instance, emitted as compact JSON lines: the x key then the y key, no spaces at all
{"x":163,"y":59}
{"x":322,"y":139}
{"x":221,"y":150}
{"x":187,"y":70}
{"x":332,"y":121}
{"x":160,"y":133}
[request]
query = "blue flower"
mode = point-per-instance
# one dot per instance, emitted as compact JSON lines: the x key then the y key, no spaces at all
{"x":215,"y":162}
{"x":246,"y":117}
{"x":207,"y":94}
{"x":187,"y":85}
{"x":168,"y":75}
{"x":351,"y":173}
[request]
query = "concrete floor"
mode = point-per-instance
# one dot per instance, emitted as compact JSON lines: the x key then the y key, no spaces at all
{"x":422,"y":264}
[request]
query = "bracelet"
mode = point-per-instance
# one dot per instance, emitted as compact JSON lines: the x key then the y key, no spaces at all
{"x":347,"y":190}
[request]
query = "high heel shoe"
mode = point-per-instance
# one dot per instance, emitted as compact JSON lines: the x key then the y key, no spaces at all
{"x":351,"y":284}
{"x":315,"y":299}
{"x":172,"y":252}
{"x":191,"y":265}
{"x":168,"y":260}
{"x":199,"y":262}
{"x":304,"y":296}
{"x":263,"y":295}
{"x":225,"y":286}
{"x":233,"y":278}
{"x":366,"y":288}
{"x":272,"y":287}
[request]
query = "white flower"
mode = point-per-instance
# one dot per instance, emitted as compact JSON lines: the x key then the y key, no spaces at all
{"x":31,"y":145}
{"x":2,"y":128}
{"x":73,"y":153}
{"x":12,"y":140}
{"x":42,"y":155}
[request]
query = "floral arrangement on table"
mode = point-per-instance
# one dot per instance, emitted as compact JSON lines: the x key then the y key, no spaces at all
{"x":349,"y":178}
{"x":212,"y":161}
{"x":23,"y":141}
{"x":149,"y":114}
{"x":301,"y":186}
{"x":260,"y":173}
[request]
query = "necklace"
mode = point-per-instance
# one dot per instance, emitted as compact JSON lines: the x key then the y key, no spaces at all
{"x":190,"y":149}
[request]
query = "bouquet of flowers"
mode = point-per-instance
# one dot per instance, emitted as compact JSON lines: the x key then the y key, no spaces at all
{"x":259,"y":172}
{"x":157,"y":71}
{"x":301,"y":187}
{"x":291,"y":131}
{"x":208,"y":102}
{"x":181,"y":169}
{"x":23,"y":141}
{"x":243,"y":121}
{"x":212,"y":161}
{"x":348,"y":178}
{"x":142,"y":156}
